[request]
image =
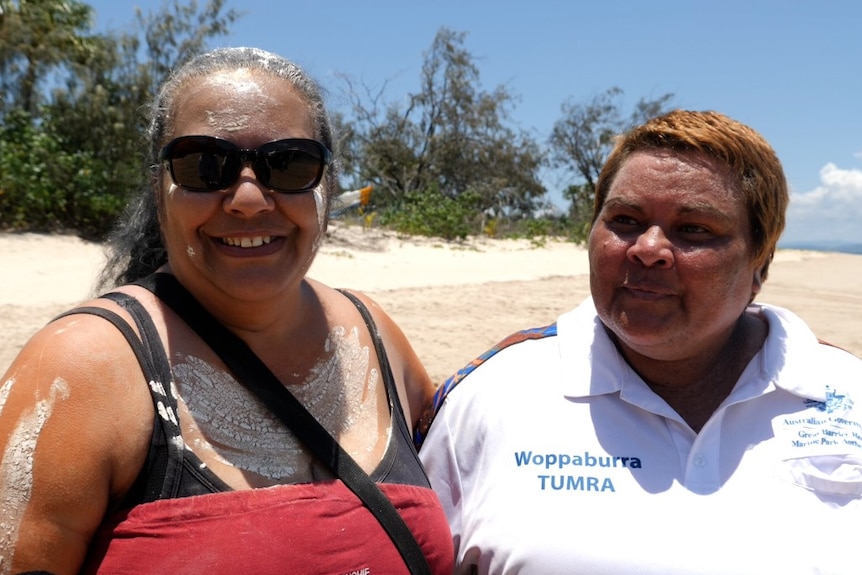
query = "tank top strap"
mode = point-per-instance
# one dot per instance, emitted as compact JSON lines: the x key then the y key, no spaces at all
{"x":401,"y":462}
{"x":168,"y":452}
{"x":160,"y":476}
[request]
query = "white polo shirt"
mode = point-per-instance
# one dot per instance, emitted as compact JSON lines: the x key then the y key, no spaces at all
{"x":553,"y":456}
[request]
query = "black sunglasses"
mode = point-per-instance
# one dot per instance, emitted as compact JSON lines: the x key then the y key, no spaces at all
{"x":207,"y":164}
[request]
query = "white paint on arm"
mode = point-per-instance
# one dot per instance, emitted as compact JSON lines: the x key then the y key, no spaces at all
{"x":5,"y":389}
{"x":16,"y":466}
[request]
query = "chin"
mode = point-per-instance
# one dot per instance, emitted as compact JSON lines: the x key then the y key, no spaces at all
{"x":634,"y":326}
{"x":648,"y":341}
{"x":251,"y":285}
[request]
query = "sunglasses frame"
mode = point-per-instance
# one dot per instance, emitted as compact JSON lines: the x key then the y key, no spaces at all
{"x":257,"y":157}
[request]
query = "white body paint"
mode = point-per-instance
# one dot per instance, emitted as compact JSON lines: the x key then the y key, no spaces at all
{"x":16,"y":466}
{"x":5,"y":389}
{"x":229,"y":119}
{"x":320,"y":204}
{"x":229,"y":421}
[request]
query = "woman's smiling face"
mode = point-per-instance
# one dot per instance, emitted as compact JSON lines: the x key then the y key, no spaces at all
{"x":671,"y":267}
{"x":246,"y":241}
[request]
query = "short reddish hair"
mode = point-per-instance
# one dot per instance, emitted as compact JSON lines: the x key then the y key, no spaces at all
{"x":751,"y":161}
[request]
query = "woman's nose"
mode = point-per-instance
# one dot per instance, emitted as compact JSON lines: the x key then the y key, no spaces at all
{"x":652,"y":248}
{"x":248,"y":196}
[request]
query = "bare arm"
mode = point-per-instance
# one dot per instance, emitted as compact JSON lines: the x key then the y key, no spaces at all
{"x":75,"y":421}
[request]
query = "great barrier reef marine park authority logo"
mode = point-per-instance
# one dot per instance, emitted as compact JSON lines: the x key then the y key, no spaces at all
{"x":834,"y":402}
{"x":827,"y":425}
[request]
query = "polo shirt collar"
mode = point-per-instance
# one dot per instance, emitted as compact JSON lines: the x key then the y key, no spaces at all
{"x":592,"y":366}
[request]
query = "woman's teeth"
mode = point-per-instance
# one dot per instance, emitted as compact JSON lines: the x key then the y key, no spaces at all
{"x":247,"y":242}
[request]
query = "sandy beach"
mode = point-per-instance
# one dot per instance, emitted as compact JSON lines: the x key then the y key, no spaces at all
{"x":452,"y":300}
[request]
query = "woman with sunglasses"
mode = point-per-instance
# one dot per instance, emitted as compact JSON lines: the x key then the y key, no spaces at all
{"x":149,"y":430}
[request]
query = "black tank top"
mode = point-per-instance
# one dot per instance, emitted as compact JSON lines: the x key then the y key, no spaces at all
{"x":172,"y":470}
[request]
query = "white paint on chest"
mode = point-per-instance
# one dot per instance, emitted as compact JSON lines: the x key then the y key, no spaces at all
{"x":230,"y":422}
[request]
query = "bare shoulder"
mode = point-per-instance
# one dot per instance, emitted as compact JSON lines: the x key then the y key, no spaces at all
{"x":75,"y":420}
{"x":413,"y":380}
{"x":394,"y":339}
{"x":381,"y":318}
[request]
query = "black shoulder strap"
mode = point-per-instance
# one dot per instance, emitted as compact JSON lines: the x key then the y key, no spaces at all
{"x":164,"y":456}
{"x":380,"y":350}
{"x":163,"y":480}
{"x":256,"y":376}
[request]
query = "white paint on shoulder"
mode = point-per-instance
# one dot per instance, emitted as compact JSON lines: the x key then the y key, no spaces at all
{"x":5,"y":389}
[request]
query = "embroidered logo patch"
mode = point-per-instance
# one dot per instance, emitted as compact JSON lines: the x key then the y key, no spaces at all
{"x":834,"y":402}
{"x":826,"y":427}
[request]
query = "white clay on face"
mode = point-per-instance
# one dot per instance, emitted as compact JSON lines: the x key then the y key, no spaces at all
{"x":228,"y":120}
{"x":232,"y":424}
{"x":240,"y":82}
{"x":190,"y":251}
{"x":233,"y":118}
{"x":320,"y":204}
{"x":16,"y":465}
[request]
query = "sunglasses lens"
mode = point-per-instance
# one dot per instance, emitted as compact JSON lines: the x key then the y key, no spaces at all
{"x":294,"y":166}
{"x":200,"y":164}
{"x":207,"y":164}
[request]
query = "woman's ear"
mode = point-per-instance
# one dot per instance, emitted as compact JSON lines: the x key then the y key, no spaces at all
{"x":757,"y":280}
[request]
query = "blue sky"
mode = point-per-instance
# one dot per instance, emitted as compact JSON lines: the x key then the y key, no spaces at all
{"x":790,"y":69}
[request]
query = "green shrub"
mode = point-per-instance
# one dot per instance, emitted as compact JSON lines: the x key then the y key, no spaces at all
{"x":45,"y":187}
{"x":431,"y":213}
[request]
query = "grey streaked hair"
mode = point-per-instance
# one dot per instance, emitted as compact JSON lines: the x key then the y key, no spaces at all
{"x":136,"y":246}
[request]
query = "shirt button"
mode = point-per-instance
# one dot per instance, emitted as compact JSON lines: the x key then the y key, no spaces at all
{"x":699,"y":461}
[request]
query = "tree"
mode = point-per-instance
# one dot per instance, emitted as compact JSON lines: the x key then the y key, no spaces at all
{"x":450,"y":139}
{"x":99,"y":109}
{"x":583,"y":137}
{"x":179,"y":31}
{"x":89,"y":114}
{"x":38,"y":37}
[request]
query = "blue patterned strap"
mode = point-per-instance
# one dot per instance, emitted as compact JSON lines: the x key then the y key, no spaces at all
{"x":430,"y":411}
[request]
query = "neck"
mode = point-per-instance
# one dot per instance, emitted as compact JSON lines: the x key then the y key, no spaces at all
{"x":695,"y":386}
{"x":266,"y":325}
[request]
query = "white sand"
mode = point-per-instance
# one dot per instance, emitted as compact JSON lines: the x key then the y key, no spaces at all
{"x":452,"y":300}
